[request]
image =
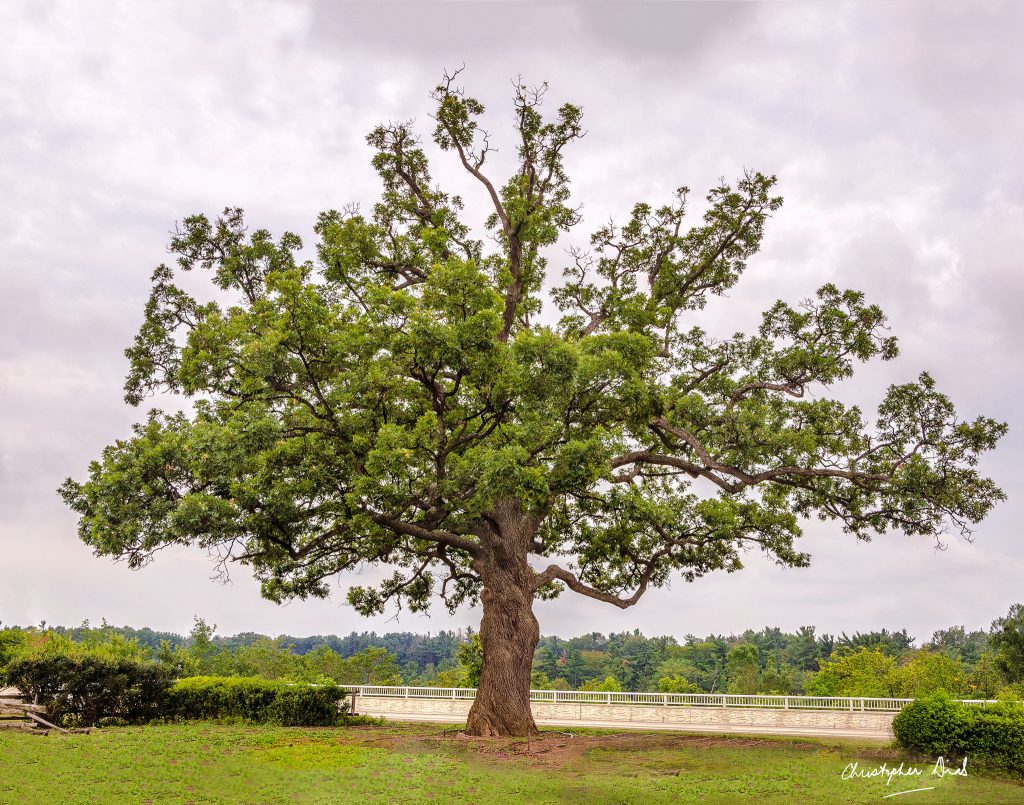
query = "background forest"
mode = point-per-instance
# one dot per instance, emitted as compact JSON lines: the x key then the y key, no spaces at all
{"x":886,"y":663}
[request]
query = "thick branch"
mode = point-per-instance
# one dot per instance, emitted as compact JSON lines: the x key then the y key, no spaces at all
{"x":443,"y":537}
{"x":556,"y":573}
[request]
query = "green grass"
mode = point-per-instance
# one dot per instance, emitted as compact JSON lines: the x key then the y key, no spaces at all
{"x":212,"y":763}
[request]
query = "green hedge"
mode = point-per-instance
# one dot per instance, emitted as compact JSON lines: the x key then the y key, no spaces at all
{"x":992,"y":736}
{"x":254,"y":699}
{"x":91,"y":690}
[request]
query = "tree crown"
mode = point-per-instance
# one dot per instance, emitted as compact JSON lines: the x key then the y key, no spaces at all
{"x":400,"y":401}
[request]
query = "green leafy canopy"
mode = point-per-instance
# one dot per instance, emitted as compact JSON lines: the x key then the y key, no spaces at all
{"x":392,"y":401}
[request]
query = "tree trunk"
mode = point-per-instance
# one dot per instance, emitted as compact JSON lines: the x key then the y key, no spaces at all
{"x":508,"y":633}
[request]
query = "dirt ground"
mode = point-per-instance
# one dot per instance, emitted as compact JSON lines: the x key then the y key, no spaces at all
{"x":554,"y":749}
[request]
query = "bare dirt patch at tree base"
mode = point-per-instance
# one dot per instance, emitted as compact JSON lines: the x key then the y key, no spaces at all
{"x":554,"y":749}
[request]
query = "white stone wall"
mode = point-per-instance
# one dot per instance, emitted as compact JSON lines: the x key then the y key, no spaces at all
{"x":841,"y":723}
{"x":414,"y":707}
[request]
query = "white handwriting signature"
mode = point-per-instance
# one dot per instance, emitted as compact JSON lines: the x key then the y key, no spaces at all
{"x":940,"y":769}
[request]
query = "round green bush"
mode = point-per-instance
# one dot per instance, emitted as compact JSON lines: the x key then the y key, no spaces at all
{"x":992,"y":736}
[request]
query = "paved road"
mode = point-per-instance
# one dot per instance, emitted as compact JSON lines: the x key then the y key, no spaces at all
{"x":647,"y":726}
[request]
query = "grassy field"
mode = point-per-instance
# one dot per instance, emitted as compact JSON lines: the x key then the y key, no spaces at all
{"x":212,"y":763}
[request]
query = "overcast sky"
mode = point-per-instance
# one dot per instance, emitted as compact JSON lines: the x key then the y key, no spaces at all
{"x":895,"y":130}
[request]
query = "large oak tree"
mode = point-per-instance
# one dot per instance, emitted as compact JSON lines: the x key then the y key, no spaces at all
{"x":400,"y":402}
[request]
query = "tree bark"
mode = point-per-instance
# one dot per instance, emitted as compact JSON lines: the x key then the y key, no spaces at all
{"x":508,"y":630}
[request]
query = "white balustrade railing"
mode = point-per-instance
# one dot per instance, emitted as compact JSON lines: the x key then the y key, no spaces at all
{"x":854,"y":703}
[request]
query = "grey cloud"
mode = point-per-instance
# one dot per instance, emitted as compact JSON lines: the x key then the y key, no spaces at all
{"x":894,"y":128}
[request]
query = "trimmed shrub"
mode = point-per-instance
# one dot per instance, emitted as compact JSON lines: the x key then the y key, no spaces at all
{"x":87,"y":690}
{"x":307,"y":707}
{"x":934,"y":724}
{"x":256,"y":700}
{"x":991,"y":736}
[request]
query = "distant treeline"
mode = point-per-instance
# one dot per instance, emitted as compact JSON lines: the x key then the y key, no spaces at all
{"x":417,"y":652}
{"x":966,"y":664}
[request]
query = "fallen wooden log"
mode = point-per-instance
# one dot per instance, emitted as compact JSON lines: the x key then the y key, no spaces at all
{"x":21,"y":725}
{"x":45,"y":723}
{"x":20,"y":709}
